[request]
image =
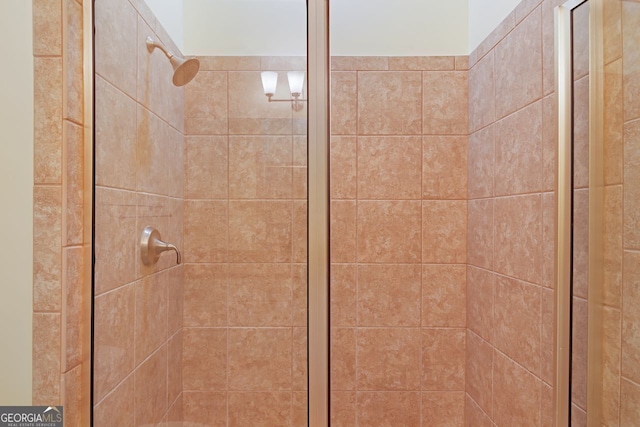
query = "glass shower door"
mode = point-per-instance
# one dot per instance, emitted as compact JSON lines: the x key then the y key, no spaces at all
{"x":599,"y":175}
{"x":220,"y":170}
{"x":399,"y":130}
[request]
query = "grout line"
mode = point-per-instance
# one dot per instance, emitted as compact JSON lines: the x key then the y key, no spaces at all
{"x":421,"y":238}
{"x":622,"y":233}
{"x":477,"y":405}
{"x":357,"y":264}
{"x":228,"y":242}
{"x":115,"y":387}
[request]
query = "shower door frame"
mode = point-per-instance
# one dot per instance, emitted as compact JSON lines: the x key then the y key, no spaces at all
{"x":318,"y":212}
{"x":564,"y":207}
{"x":85,"y":407}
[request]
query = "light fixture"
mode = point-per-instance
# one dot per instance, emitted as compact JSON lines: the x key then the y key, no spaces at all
{"x":296,"y":87}
{"x":269,"y":82}
{"x":296,"y":82}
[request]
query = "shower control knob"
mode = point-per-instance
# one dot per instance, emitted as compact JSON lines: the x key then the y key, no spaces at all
{"x":151,"y":246}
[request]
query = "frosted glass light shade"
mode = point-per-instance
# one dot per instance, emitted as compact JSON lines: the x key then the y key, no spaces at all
{"x":296,"y":82}
{"x":269,"y":82}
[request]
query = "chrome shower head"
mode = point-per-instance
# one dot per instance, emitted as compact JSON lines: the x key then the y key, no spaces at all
{"x":184,"y":70}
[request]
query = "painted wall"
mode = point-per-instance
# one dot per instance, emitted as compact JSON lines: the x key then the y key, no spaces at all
{"x":399,"y":28}
{"x":358,"y":27}
{"x":278,"y":27}
{"x":232,"y":27}
{"x":170,"y":16}
{"x":16,"y":187}
{"x":484,"y":17}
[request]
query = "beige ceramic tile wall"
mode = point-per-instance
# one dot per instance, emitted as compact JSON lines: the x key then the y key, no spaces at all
{"x":139,"y":150}
{"x":501,"y":88}
{"x":244,"y":360}
{"x":621,"y":379}
{"x":60,"y":356}
{"x":398,"y":240}
{"x":510,"y":232}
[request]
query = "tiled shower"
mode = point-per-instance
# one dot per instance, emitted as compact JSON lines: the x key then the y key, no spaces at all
{"x":442,"y":232}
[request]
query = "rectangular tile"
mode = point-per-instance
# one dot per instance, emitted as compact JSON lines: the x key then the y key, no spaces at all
{"x":445,"y":107}
{"x":272,"y":408}
{"x":480,"y":302}
{"x":482,"y":97}
{"x":444,"y":239}
{"x":422,"y":63}
{"x":389,"y":103}
{"x":443,"y":359}
{"x":47,"y":27}
{"x":443,"y":408}
{"x":516,"y":394}
{"x":150,"y":389}
{"x":388,"y":359}
{"x":631,"y":317}
{"x":260,"y":231}
{"x":204,"y":355}
{"x":344,"y":102}
{"x":389,"y":168}
{"x":46,"y":359}
{"x":444,"y":296}
{"x":260,"y":295}
{"x":518,"y":152}
{"x":388,"y":295}
{"x":209,"y":408}
{"x":388,"y":408}
{"x":260,"y":359}
{"x":517,"y":323}
{"x":479,"y":371}
{"x":389,"y":231}
{"x":359,"y":63}
{"x":518,"y":66}
{"x":114,"y":334}
{"x":631,"y":59}
{"x":444,"y":167}
{"x":47,"y":248}
{"x":518,"y":237}
{"x":632,"y":192}
{"x":343,"y":359}
{"x":260,"y":167}
{"x":205,"y":295}
{"x":47,"y":119}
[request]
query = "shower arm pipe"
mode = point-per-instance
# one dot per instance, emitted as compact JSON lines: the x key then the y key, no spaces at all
{"x":184,"y":69}
{"x":152,"y":44}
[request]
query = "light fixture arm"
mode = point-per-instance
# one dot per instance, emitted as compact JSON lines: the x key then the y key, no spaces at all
{"x":296,"y":102}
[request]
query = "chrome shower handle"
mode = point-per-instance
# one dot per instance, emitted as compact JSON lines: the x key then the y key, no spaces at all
{"x":164,"y":246}
{"x":151,"y":246}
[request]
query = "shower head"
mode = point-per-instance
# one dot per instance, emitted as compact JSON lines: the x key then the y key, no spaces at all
{"x":184,"y":70}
